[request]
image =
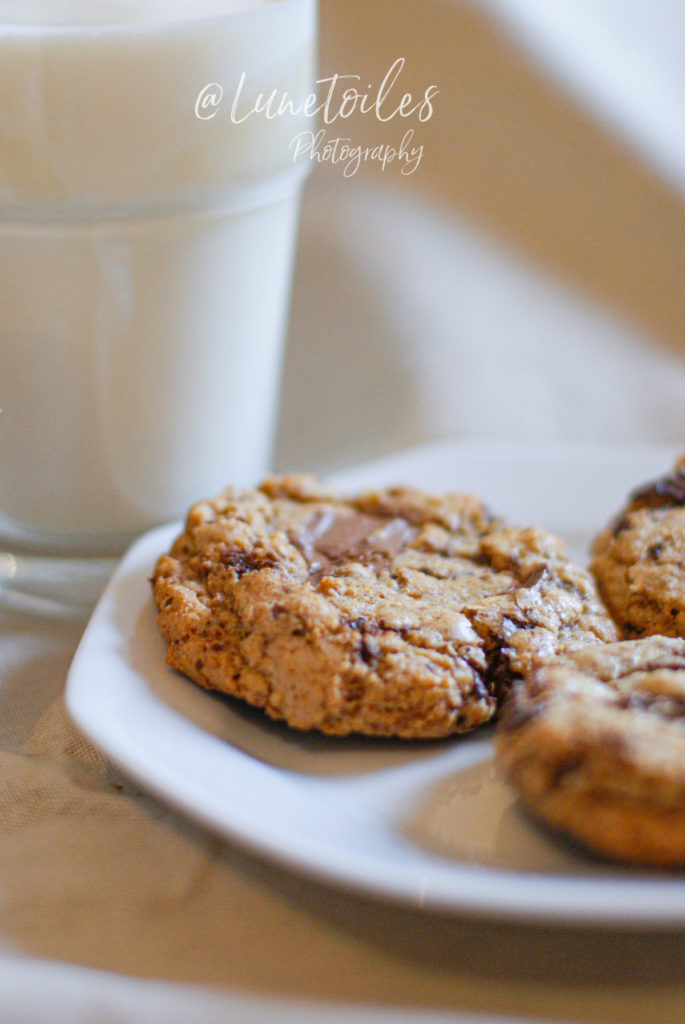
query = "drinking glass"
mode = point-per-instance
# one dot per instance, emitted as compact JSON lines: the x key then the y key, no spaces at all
{"x":148,"y":213}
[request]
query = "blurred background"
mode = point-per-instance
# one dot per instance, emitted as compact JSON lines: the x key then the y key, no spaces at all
{"x":527,"y":279}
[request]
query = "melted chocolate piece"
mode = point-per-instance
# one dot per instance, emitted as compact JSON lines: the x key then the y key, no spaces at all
{"x":498,"y":676}
{"x":669,"y":490}
{"x":332,"y":540}
{"x":247,"y":561}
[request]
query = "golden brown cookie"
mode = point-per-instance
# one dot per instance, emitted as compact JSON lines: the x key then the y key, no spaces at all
{"x":594,"y":745}
{"x":639,"y":561}
{"x":392,"y":613}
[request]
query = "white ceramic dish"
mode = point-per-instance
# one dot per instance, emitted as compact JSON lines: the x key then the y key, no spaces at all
{"x":426,"y":824}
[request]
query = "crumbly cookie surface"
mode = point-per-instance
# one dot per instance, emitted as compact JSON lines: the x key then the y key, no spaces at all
{"x":392,"y":613}
{"x":639,"y":561}
{"x":595,"y":747}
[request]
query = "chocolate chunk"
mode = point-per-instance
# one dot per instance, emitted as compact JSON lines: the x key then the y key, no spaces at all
{"x":354,"y":536}
{"x":334,"y":540}
{"x":247,"y":561}
{"x":669,"y":490}
{"x":498,"y":675}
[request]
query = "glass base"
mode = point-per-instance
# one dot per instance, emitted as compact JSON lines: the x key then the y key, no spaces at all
{"x":53,"y":585}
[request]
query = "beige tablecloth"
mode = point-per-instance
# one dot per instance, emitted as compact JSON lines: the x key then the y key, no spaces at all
{"x":527,"y":281}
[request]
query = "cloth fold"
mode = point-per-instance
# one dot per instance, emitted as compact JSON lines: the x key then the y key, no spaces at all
{"x":624,"y":59}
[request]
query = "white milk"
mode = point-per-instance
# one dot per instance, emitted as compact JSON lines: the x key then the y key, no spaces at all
{"x":145,"y":255}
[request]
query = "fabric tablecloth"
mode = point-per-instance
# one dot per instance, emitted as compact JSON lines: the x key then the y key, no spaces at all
{"x":523,"y":283}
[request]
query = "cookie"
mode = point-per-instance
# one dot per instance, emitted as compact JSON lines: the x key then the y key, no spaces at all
{"x":595,"y":747}
{"x":639,"y":561}
{"x":392,"y":613}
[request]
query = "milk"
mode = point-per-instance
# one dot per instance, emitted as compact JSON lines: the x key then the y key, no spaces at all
{"x":145,"y":255}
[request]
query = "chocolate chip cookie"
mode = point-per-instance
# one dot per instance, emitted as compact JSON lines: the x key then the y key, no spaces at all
{"x":595,"y":747}
{"x":639,"y":561}
{"x":392,"y":613}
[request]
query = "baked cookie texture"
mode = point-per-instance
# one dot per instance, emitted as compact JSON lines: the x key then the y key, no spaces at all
{"x":639,"y":560}
{"x":392,"y":613}
{"x":594,"y":745}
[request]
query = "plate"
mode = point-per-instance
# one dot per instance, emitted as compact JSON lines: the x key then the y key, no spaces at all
{"x":427,"y":824}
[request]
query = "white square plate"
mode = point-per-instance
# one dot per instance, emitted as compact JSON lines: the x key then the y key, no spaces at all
{"x":427,"y":824}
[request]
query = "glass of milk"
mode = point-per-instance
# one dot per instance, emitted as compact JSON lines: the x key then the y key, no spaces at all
{"x":148,"y":214}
